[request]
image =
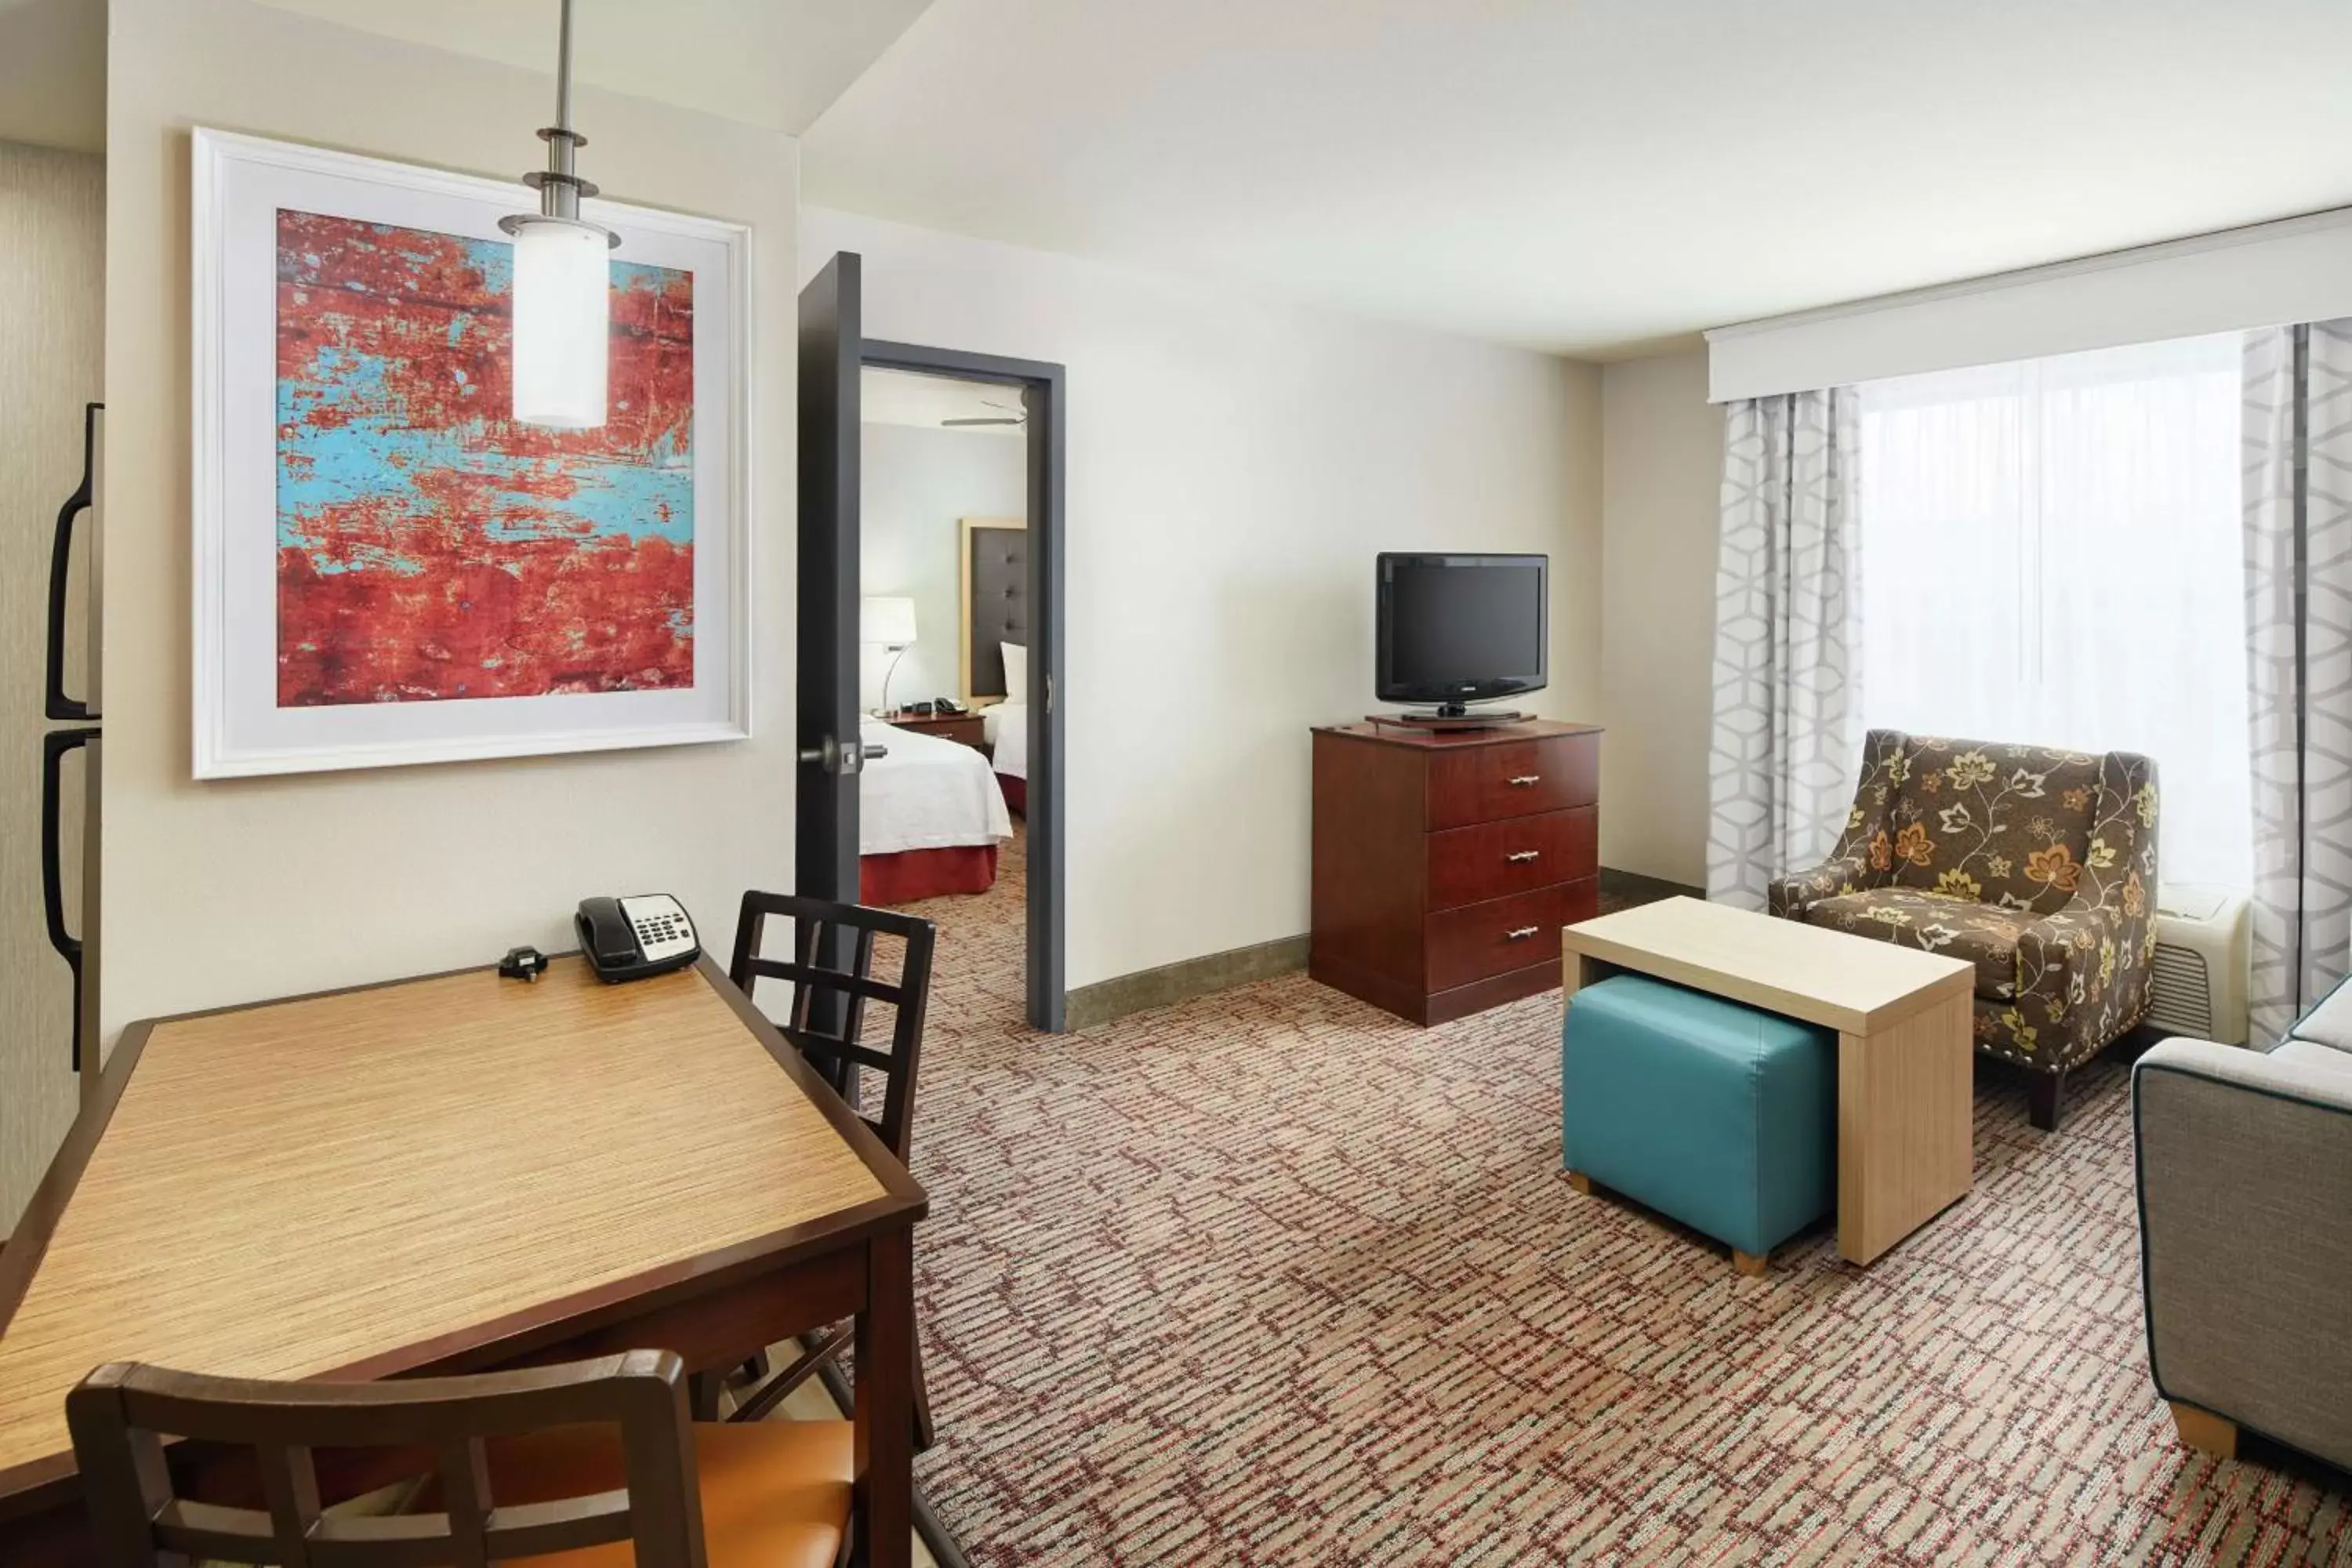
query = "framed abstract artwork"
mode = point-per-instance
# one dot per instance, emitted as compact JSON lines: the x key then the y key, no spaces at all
{"x":388,"y":568}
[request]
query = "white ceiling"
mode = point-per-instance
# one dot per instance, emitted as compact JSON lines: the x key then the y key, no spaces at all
{"x":900,"y":397}
{"x":1597,"y":176}
{"x":774,"y":63}
{"x":53,"y":73}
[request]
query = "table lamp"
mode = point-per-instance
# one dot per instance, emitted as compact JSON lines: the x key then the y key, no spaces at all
{"x":891,"y":623}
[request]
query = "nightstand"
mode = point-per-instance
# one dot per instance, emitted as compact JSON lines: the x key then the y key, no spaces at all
{"x":962,"y":727}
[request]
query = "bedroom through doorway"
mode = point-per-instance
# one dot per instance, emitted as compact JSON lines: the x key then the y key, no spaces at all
{"x":945,"y":632}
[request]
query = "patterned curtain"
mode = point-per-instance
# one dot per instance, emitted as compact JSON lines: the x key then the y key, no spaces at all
{"x":1788,"y":601}
{"x":2298,"y":492}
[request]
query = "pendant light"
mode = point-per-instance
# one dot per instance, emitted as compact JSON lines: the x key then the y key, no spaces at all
{"x":562,"y":283}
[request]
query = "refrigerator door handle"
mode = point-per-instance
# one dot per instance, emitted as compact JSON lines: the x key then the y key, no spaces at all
{"x":53,"y":747}
{"x":59,"y":705}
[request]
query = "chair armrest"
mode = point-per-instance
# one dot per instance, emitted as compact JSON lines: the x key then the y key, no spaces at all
{"x":2082,"y":971}
{"x":2061,"y":956}
{"x":2245,"y":1205}
{"x":1791,"y":896}
{"x":1861,"y":856}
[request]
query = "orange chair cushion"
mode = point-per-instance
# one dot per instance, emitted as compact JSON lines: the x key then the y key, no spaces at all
{"x":775,"y":1494}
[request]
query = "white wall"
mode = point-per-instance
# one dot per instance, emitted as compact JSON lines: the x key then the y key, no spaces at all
{"x":915,"y":485}
{"x":1662,"y":468}
{"x":228,"y":891}
{"x":52,"y":362}
{"x":1234,"y":463}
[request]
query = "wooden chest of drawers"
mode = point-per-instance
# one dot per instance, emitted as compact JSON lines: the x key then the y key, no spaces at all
{"x":1446,"y":862}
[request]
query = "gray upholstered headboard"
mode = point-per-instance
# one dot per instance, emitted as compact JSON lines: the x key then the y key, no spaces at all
{"x":995,"y":600}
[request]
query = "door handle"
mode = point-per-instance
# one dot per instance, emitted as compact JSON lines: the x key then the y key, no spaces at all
{"x":56,"y":703}
{"x":53,"y":747}
{"x":1521,"y":934}
{"x":841,"y":760}
{"x":1524,"y":855}
{"x":1524,"y":781}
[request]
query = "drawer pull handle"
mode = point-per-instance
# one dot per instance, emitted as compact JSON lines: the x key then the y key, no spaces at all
{"x":1521,"y":934}
{"x":1524,"y":781}
{"x":1524,"y":855}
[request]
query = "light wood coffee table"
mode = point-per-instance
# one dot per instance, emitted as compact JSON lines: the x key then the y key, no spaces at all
{"x":1905,"y":1087}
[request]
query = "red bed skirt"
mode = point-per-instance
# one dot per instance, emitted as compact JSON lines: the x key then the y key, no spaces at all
{"x":1016,"y":794}
{"x":913,"y":874}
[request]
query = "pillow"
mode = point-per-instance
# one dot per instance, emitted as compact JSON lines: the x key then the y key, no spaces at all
{"x":1017,"y":671}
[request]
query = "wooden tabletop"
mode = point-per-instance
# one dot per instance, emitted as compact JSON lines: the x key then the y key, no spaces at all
{"x":1836,"y":979}
{"x":369,"y":1180}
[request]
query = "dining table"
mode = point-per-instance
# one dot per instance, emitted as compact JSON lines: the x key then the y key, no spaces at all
{"x":453,"y":1174}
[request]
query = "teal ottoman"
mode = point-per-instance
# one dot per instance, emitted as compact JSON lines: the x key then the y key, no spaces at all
{"x":1719,"y":1115}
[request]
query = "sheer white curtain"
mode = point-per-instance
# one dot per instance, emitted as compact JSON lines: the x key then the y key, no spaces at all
{"x":2052,"y":555}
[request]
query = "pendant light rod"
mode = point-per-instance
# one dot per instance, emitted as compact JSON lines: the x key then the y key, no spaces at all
{"x":563,"y":70}
{"x":559,"y":187}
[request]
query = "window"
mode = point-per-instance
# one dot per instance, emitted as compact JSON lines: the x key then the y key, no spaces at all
{"x":2052,"y":555}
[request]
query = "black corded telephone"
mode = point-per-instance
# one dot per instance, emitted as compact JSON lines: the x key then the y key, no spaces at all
{"x":632,"y":938}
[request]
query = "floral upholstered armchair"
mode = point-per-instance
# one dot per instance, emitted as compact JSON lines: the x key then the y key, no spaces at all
{"x":2038,"y":867}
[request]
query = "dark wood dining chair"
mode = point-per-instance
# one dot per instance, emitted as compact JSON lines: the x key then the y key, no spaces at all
{"x":831,"y":974}
{"x":583,"y":1466}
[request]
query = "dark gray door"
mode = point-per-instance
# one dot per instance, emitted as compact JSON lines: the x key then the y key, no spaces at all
{"x":825,"y":813}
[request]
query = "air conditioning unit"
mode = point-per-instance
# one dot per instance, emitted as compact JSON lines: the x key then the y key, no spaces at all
{"x":2203,"y":944}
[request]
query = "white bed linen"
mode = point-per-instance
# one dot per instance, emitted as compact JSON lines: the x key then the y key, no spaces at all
{"x":1006,"y":725}
{"x":928,"y":793}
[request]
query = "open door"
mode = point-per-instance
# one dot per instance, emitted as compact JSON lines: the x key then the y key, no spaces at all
{"x":826,"y":803}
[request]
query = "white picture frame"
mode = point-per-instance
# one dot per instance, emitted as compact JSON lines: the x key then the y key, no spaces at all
{"x":238,"y":185}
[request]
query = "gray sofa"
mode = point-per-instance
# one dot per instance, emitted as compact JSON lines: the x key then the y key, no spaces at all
{"x":2245,"y":1208}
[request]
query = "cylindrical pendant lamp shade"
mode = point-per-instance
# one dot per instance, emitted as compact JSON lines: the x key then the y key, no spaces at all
{"x":563,"y":335}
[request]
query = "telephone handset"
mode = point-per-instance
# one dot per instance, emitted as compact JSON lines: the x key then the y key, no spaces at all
{"x":632,"y":938}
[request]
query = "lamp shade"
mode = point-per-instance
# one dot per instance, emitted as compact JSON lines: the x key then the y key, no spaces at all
{"x":562,"y":333}
{"x":888,"y":621}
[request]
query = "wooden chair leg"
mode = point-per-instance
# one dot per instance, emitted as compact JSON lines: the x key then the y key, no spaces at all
{"x":2206,"y":1432}
{"x":702,"y":1395}
{"x":924,"y":1434}
{"x":2044,"y":1093}
{"x":1749,"y":1262}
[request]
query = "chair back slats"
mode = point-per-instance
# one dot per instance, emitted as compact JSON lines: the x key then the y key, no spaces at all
{"x":465,"y":1499}
{"x":290,"y":1483}
{"x":832,"y":979}
{"x":119,"y":1415}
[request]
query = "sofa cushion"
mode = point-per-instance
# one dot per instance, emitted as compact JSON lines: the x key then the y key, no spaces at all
{"x":2312,"y":1053}
{"x":1957,"y":927}
{"x":2007,"y":826}
{"x":2328,"y":1024}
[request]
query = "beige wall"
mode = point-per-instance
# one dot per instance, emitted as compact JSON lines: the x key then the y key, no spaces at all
{"x":226,"y":891}
{"x":1662,"y":463}
{"x":52,"y":362}
{"x":1235,"y":461}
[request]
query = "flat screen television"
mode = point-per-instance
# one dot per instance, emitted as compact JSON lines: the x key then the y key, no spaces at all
{"x":1461,"y":628}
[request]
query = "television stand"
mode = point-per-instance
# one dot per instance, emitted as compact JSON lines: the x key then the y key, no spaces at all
{"x":1453,"y":716}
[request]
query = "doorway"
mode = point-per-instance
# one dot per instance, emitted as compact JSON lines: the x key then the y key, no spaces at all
{"x":834,"y":696}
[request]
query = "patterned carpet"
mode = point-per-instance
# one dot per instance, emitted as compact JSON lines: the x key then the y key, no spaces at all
{"x":1272,"y":1278}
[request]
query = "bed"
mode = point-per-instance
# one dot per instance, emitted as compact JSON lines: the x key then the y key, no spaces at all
{"x":930,"y":819}
{"x":1007,"y":727}
{"x":995,"y":606}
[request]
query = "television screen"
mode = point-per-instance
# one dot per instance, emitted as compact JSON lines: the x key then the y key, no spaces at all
{"x":1458,"y":629}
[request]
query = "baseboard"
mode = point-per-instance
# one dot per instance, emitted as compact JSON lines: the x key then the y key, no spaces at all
{"x":1173,"y":983}
{"x":1623,"y":889}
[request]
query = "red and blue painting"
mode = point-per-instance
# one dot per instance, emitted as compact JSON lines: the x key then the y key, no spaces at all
{"x":428,"y":547}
